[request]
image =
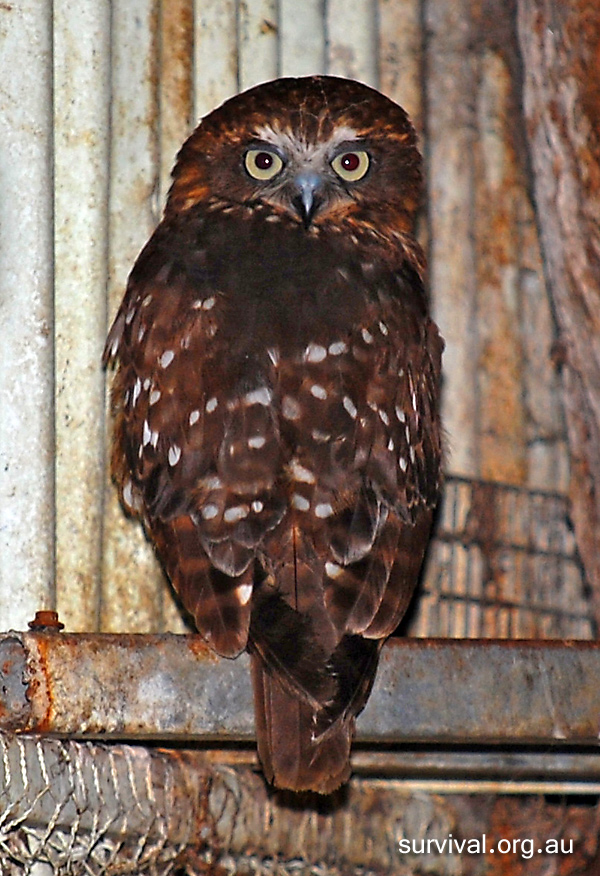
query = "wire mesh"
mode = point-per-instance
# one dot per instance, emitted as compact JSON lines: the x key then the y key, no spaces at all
{"x":502,"y":564}
{"x":94,"y":810}
{"x":78,"y":808}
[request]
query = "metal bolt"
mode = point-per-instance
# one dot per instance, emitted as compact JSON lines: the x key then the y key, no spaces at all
{"x":47,"y":621}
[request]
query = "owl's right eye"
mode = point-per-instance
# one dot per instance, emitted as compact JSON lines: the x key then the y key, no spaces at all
{"x":262,"y":164}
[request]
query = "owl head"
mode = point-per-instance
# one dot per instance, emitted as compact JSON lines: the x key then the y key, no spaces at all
{"x":312,"y":150}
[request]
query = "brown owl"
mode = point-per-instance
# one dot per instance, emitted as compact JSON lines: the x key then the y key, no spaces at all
{"x":276,"y":401}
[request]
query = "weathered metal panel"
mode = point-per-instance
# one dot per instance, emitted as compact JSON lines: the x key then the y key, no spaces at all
{"x":400,"y":55}
{"x":26,"y":312}
{"x":351,"y":27}
{"x":175,"y":84}
{"x":257,"y":42}
{"x":81,"y":142}
{"x":215,"y":54}
{"x":451,"y":130}
{"x":301,"y":38}
{"x":132,"y":584}
{"x":428,"y":691}
{"x":501,"y":412}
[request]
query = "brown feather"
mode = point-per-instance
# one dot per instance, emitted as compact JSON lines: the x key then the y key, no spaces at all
{"x":276,"y":404}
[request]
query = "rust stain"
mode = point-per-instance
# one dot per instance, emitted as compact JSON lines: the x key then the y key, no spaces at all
{"x":35,"y":692}
{"x":268,"y":27}
{"x":495,"y":29}
{"x":198,"y":647}
{"x":178,"y":50}
{"x":545,"y":820}
{"x":583,"y":35}
{"x":47,"y":621}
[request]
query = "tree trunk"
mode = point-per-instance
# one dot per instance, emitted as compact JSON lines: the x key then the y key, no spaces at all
{"x":560,"y":44}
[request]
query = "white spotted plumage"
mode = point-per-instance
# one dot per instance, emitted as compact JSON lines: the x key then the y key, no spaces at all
{"x":276,"y":401}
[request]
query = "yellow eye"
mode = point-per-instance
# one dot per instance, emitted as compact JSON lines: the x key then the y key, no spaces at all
{"x":262,"y":164}
{"x":351,"y":166}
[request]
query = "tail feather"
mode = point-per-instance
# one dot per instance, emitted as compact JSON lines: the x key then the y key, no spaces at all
{"x":291,"y":754}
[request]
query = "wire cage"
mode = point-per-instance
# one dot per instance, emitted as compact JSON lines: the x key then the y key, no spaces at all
{"x":502,"y":563}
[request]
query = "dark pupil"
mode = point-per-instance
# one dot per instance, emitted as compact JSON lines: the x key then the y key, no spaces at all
{"x":350,"y":161}
{"x":264,"y":160}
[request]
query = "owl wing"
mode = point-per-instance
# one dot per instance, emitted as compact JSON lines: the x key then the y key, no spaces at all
{"x":195,"y":450}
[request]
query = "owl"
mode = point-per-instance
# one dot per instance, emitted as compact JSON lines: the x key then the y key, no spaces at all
{"x":276,"y":401}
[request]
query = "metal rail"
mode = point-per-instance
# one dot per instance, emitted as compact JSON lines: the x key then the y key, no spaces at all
{"x":171,"y":688}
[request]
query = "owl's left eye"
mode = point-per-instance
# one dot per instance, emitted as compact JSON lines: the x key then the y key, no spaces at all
{"x":351,"y":166}
{"x":262,"y":164}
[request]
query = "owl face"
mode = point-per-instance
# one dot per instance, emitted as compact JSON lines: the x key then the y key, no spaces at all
{"x":305,"y":179}
{"x":324,"y":159}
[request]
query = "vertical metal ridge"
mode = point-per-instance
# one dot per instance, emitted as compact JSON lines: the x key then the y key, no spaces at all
{"x":26,"y":314}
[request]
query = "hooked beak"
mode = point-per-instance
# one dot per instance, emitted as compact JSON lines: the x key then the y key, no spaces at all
{"x":306,"y":200}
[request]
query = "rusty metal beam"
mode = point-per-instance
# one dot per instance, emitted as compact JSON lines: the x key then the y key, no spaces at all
{"x":171,"y":688}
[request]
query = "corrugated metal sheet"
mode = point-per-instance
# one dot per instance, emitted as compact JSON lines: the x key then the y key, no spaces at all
{"x":81,"y":173}
{"x":127,"y":81}
{"x":26,"y":312}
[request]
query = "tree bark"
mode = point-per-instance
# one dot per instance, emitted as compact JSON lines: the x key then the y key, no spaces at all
{"x":560,"y":45}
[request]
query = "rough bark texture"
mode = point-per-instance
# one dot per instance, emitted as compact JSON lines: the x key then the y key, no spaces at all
{"x":560,"y":43}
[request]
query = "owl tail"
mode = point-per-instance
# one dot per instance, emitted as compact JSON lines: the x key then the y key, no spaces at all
{"x":292,"y":752}
{"x":305,"y":697}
